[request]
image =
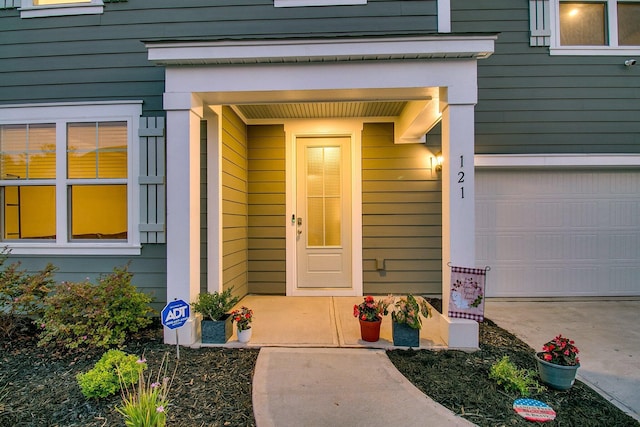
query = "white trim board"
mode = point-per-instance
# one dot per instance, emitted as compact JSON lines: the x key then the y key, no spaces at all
{"x":324,"y":50}
{"x":556,"y":160}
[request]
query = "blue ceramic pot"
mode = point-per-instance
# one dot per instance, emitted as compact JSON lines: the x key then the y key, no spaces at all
{"x":555,"y":376}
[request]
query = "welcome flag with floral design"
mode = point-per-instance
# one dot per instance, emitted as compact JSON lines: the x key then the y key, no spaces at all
{"x":466,"y":298}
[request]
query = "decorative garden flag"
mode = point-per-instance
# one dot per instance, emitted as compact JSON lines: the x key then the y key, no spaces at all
{"x":466,"y":299}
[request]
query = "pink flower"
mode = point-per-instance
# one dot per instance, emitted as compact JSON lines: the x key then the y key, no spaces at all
{"x":155,"y":385}
{"x":160,"y":408}
{"x":141,"y":360}
{"x":547,"y":357}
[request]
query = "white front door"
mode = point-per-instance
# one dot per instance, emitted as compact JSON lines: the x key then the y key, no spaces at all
{"x":323,"y":204}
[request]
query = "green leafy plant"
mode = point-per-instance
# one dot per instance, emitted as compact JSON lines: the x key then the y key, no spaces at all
{"x":408,"y":310}
{"x":114,"y":370}
{"x":214,"y":306}
{"x":371,"y":310}
{"x":146,"y":404}
{"x":243,"y":318}
{"x":505,"y":373}
{"x":81,"y":315}
{"x":22,"y":295}
{"x":560,"y":351}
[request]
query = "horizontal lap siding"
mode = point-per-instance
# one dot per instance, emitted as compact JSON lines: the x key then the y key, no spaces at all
{"x":267,"y":213}
{"x":401,"y":215}
{"x":102,"y":57}
{"x":531,"y":102}
{"x":149,"y":269}
{"x":234,"y":203}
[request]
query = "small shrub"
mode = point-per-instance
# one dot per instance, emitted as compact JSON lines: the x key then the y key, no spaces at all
{"x":513,"y":379}
{"x":22,"y":295}
{"x":114,"y":369}
{"x":213,"y":306}
{"x":146,"y":405}
{"x":86,"y":315}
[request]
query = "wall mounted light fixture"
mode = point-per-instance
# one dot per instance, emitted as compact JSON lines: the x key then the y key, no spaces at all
{"x":438,"y":161}
{"x":629,"y":62}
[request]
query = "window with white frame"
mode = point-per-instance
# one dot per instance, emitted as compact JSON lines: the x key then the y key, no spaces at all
{"x":40,"y":8}
{"x":301,"y":3}
{"x":66,"y":177}
{"x":596,"y":27}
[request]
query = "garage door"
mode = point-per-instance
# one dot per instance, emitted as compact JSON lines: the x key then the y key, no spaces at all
{"x":559,"y":233}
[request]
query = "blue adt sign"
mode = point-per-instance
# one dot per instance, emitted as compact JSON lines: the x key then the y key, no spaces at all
{"x":175,"y":314}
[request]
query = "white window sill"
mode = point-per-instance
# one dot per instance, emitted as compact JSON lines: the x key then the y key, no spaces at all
{"x":73,"y":249}
{"x":302,"y":3}
{"x":595,"y":50}
{"x":60,"y":10}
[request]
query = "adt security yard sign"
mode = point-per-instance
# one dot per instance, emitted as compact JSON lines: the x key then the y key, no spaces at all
{"x":175,"y":314}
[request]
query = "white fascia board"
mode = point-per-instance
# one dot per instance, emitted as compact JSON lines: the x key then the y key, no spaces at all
{"x":556,"y":160}
{"x":302,"y":82}
{"x":278,"y":51}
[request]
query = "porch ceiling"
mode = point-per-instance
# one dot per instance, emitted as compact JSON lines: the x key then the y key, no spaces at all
{"x":321,"y":110}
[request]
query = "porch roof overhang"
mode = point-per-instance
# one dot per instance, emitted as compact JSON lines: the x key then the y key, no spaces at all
{"x":421,"y":104}
{"x":328,"y":48}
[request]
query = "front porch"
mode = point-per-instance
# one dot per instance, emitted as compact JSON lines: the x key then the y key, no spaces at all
{"x":328,"y":322}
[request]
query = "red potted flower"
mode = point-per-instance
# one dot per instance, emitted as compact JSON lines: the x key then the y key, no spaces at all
{"x":558,"y":363}
{"x":369,"y":314}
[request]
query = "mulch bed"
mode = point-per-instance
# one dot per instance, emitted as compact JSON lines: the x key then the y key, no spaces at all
{"x":212,"y":387}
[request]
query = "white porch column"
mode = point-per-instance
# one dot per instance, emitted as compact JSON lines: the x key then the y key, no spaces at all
{"x":184,"y":112}
{"x":458,"y":213}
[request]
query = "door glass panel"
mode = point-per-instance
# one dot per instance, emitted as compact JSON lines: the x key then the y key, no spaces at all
{"x":333,"y":221}
{"x":314,"y":223}
{"x":323,"y":196}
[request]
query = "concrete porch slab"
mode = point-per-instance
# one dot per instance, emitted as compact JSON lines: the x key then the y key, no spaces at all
{"x":319,"y":322}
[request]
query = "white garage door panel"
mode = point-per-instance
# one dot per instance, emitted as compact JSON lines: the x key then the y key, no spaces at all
{"x":559,"y":233}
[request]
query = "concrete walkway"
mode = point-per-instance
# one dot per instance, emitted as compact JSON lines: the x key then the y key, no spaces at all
{"x":321,"y":387}
{"x":605,"y":332}
{"x":313,"y":370}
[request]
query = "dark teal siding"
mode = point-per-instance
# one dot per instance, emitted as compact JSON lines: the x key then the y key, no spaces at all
{"x":531,"y":102}
{"x":149,"y":269}
{"x":101,"y":57}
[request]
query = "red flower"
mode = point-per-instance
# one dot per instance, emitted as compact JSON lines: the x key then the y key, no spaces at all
{"x":547,"y":357}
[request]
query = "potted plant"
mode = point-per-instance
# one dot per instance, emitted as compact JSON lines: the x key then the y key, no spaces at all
{"x":216,"y":324}
{"x":558,"y":363}
{"x":369,"y":314}
{"x":243,"y":319}
{"x":406,"y":321}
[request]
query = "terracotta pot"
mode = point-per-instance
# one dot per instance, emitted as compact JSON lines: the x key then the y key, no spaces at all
{"x":370,"y":331}
{"x":555,"y":376}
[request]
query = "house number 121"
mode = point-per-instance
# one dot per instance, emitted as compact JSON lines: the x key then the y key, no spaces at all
{"x":461,"y":177}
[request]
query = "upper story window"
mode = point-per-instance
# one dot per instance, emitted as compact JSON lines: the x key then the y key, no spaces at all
{"x":593,"y":24}
{"x":300,"y":3}
{"x":40,"y":8}
{"x":66,"y":178}
{"x":587,"y":27}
